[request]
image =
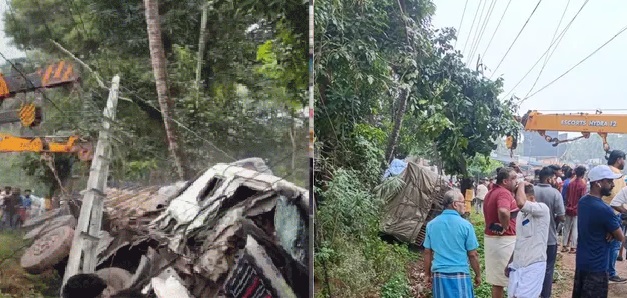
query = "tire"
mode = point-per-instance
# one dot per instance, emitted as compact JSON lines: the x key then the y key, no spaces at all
{"x":48,"y":250}
{"x":47,"y":226}
{"x":117,"y":279}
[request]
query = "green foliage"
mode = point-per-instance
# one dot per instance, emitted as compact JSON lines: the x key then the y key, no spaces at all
{"x":244,"y":106}
{"x":482,"y":166}
{"x":348,"y":242}
{"x":14,"y":281}
{"x":449,"y":105}
{"x":389,"y":188}
{"x":484,"y":290}
{"x":397,"y":287}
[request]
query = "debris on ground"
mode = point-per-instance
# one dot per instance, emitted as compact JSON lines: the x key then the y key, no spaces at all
{"x":234,"y":231}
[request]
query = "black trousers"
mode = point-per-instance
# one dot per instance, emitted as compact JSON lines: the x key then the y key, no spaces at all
{"x":590,"y":284}
{"x":551,"y":256}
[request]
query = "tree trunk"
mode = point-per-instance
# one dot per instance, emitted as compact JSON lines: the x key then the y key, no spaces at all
{"x":398,"y":122}
{"x":157,"y":57}
{"x":292,"y":133}
{"x":202,"y":41}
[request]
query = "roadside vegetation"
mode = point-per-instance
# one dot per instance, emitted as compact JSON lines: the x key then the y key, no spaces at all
{"x":14,"y":281}
{"x":389,"y":82}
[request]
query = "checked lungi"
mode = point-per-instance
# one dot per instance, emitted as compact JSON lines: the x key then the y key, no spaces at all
{"x":452,"y":285}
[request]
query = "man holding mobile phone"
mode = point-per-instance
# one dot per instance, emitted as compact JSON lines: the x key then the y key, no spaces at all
{"x":499,"y":210}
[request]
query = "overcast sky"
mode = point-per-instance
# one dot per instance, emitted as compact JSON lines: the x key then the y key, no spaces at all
{"x":598,"y":83}
{"x":9,"y":51}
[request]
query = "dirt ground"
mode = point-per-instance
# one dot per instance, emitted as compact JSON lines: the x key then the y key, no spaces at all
{"x":563,"y":288}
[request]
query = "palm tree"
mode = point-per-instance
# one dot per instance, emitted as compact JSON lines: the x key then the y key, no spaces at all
{"x":157,"y":57}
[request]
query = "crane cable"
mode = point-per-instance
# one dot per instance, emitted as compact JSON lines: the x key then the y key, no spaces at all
{"x":582,"y":60}
{"x":497,"y":28}
{"x":547,"y":50}
{"x":472,"y":26}
{"x":461,"y":22}
{"x":515,"y":39}
{"x":474,"y":48}
{"x":546,"y":60}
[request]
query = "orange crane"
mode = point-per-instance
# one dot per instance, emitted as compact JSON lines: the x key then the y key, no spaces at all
{"x":55,"y":75}
{"x":585,"y":123}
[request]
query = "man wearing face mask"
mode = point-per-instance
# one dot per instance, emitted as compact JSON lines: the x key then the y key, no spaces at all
{"x":597,"y":227}
{"x":616,"y":163}
{"x":450,"y":243}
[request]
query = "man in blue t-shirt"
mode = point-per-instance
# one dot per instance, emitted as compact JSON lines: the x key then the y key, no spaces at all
{"x":450,"y":244}
{"x":597,"y":227}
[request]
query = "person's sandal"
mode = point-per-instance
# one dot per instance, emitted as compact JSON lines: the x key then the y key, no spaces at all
{"x":619,"y":258}
{"x":572,"y":251}
{"x":565,"y":249}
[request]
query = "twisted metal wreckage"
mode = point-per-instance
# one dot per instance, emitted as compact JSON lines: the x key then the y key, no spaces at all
{"x":235,"y":231}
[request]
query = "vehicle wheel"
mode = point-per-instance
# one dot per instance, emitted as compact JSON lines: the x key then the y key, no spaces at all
{"x":48,"y":250}
{"x":47,"y":226}
{"x":117,"y":279}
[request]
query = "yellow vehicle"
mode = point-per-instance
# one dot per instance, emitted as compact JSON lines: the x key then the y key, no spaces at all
{"x":585,"y":123}
{"x":55,"y":75}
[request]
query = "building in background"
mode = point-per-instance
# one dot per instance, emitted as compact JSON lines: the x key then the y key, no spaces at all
{"x":534,"y":145}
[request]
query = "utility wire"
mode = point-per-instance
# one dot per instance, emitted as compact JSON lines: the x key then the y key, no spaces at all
{"x":515,"y":39}
{"x":583,"y":60}
{"x":30,"y":82}
{"x":483,"y":27}
{"x":180,"y":124}
{"x":546,"y":60}
{"x":459,"y":30}
{"x":560,"y":39}
{"x":474,"y":39}
{"x":496,"y":29}
{"x":472,"y":26}
{"x":547,"y":50}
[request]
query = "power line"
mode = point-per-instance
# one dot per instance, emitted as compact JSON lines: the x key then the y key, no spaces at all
{"x":515,"y":39}
{"x":560,"y":39}
{"x":472,"y":26}
{"x":459,"y":31}
{"x":483,"y":27}
{"x":497,"y":28}
{"x":30,"y":82}
{"x":583,"y":60}
{"x":181,"y":125}
{"x":478,"y":26}
{"x":546,"y":60}
{"x":547,"y":50}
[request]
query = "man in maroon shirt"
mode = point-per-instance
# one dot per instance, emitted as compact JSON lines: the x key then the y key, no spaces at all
{"x":577,"y":188}
{"x":499,"y":210}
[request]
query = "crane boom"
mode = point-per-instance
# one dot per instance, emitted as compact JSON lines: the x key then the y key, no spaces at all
{"x":53,"y":75}
{"x":71,"y":144}
{"x":578,"y":122}
{"x":585,"y":123}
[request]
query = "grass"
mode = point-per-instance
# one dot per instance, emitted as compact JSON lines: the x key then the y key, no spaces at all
{"x":14,"y":281}
{"x":484,"y":290}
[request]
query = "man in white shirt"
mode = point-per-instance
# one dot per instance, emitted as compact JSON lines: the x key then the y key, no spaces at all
{"x":618,"y":203}
{"x":527,"y":265}
{"x":482,"y":190}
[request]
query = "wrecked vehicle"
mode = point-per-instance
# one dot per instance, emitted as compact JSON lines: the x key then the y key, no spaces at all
{"x":406,"y":212}
{"x":232,"y":232}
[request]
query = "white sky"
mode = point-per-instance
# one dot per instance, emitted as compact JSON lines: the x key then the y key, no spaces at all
{"x":5,"y":43}
{"x":597,"y":83}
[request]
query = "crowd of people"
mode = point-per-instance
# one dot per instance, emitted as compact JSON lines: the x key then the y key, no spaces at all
{"x":15,"y":207}
{"x":524,"y":218}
